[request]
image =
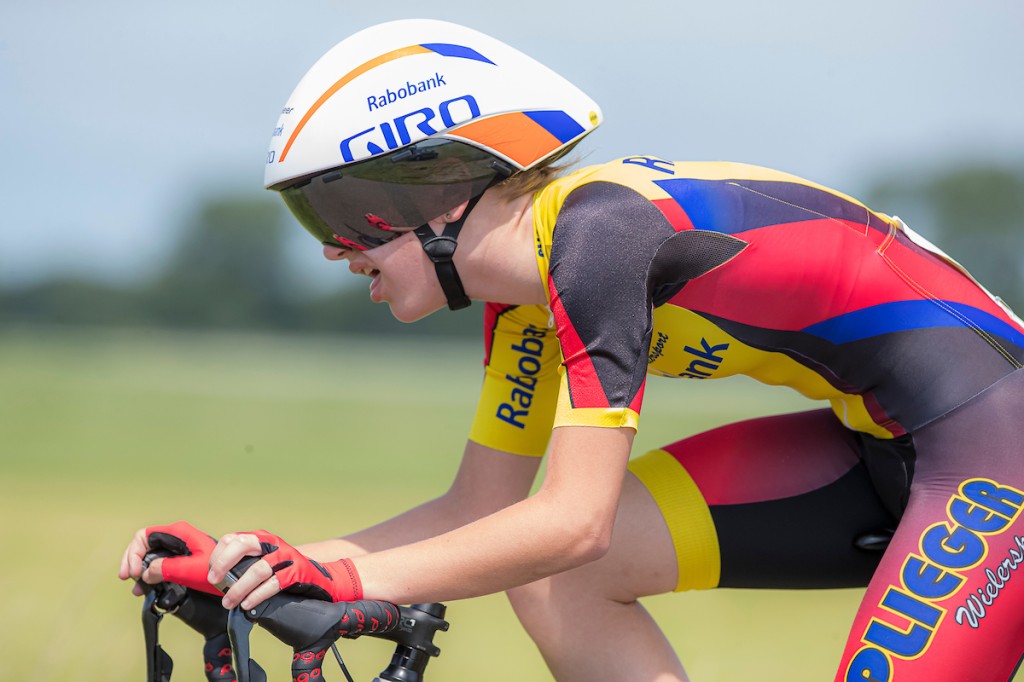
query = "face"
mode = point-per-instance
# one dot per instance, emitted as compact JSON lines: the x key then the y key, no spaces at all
{"x":401,"y":275}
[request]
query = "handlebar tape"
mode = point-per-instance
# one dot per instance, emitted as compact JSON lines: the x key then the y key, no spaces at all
{"x":301,"y":622}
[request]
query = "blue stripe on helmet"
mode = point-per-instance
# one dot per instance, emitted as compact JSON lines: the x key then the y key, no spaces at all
{"x":450,"y":50}
{"x":560,"y":124}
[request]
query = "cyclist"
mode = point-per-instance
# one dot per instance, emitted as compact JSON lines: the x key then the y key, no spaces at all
{"x":412,"y":138}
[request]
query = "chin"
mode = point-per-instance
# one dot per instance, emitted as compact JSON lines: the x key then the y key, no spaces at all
{"x":406,"y":313}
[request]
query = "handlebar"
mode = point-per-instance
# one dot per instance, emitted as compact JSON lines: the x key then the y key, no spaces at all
{"x":310,"y":626}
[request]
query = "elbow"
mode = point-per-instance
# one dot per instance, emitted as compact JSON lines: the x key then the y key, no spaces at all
{"x":589,"y":542}
{"x":590,"y":551}
{"x":574,"y":534}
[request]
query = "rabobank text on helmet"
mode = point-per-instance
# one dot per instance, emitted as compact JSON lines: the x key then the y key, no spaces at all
{"x":407,"y":90}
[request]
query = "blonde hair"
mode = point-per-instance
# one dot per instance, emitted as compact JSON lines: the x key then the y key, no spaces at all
{"x":537,"y":178}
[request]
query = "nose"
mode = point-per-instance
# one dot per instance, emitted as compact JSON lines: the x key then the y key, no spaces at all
{"x":332,"y":252}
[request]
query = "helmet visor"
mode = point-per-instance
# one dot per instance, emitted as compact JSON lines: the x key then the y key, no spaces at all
{"x":372,"y":202}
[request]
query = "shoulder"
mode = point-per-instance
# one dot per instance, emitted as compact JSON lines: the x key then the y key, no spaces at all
{"x":642,"y":172}
{"x":654,"y":179}
{"x":610,"y":205}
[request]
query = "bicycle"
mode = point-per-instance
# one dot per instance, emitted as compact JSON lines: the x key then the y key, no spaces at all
{"x":310,"y":626}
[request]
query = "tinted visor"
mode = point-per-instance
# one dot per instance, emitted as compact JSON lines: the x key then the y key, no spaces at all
{"x":374,"y":201}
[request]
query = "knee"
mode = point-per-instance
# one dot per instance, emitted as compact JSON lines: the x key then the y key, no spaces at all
{"x":542,"y":606}
{"x":531,"y":603}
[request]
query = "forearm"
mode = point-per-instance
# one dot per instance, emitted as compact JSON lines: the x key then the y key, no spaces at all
{"x":566,"y":524}
{"x":487,"y":480}
{"x":435,"y":517}
{"x":511,"y":547}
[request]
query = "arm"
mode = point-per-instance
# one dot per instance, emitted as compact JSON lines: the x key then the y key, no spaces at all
{"x":487,"y":480}
{"x":566,"y":524}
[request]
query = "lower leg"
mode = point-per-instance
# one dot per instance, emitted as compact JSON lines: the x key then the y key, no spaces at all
{"x":599,"y":639}
{"x":588,"y":624}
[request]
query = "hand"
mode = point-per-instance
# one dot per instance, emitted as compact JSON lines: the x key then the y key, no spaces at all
{"x":189,"y":566}
{"x":282,"y":567}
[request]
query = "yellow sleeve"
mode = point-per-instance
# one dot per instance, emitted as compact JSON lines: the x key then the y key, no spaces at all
{"x":520,"y":386}
{"x":566,"y":414}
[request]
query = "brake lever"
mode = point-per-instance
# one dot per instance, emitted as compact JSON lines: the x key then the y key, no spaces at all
{"x":303,"y":623}
{"x":159,"y":663}
{"x":310,"y":626}
{"x":201,"y":612}
{"x":239,"y":628}
{"x":157,"y":602}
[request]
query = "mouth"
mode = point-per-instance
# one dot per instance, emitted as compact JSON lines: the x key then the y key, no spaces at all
{"x":363,"y":269}
{"x":374,"y":284}
{"x":369,"y":271}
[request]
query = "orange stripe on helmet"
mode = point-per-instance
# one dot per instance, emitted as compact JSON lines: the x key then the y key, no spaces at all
{"x":343,"y":81}
{"x":515,"y":135}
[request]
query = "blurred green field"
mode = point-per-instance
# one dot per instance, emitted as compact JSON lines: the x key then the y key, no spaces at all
{"x":102,"y":432}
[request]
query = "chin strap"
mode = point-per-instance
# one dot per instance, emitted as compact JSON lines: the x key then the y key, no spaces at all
{"x":440,"y":248}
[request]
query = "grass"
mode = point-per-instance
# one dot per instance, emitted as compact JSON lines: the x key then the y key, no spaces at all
{"x":103,"y":431}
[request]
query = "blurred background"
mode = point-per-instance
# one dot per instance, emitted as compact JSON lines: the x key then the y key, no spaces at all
{"x":172,"y":345}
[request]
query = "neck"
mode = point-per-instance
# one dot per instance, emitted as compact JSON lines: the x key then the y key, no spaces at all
{"x":495,"y":256}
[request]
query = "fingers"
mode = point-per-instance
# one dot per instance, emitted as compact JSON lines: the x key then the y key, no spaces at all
{"x":229,"y":551}
{"x":131,"y":560}
{"x":154,"y":574}
{"x":131,"y":564}
{"x":151,"y":576}
{"x":256,"y":584}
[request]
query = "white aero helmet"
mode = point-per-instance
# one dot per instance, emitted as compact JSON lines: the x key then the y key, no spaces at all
{"x":403,"y":121}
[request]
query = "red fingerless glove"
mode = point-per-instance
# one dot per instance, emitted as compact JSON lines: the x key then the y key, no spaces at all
{"x":191,"y":547}
{"x":298,"y":574}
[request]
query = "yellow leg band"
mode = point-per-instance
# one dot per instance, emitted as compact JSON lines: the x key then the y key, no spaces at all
{"x":688,"y":518}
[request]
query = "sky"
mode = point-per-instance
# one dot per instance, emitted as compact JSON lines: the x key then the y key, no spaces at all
{"x":121,"y":117}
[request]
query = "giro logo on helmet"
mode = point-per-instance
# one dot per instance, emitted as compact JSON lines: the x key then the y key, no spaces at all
{"x":393,"y":134}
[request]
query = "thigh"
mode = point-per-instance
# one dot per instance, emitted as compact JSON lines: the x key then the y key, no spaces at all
{"x":947,"y":601}
{"x":776,"y":502}
{"x":640,"y":560}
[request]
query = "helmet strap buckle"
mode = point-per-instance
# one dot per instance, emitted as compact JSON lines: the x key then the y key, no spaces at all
{"x":440,"y":249}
